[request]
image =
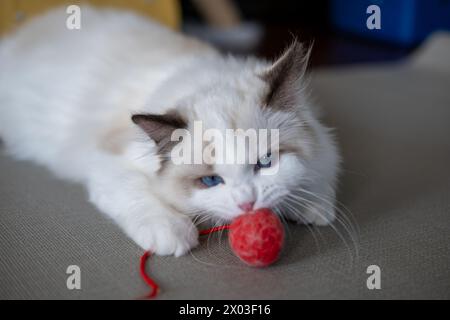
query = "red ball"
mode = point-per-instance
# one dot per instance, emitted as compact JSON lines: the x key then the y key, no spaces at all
{"x":257,"y":237}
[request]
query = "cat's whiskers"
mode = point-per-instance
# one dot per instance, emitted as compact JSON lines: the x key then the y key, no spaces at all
{"x":351,"y":226}
{"x":312,"y":229}
{"x":282,"y":218}
{"x":310,"y":204}
{"x":351,"y":218}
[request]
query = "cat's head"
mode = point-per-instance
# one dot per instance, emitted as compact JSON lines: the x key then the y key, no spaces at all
{"x":270,"y":97}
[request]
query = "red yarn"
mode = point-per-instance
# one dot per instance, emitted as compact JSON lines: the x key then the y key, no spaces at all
{"x":152,"y":284}
{"x":256,"y":237}
{"x":215,"y":229}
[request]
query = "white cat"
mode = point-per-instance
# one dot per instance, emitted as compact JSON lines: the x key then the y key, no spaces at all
{"x":97,"y":106}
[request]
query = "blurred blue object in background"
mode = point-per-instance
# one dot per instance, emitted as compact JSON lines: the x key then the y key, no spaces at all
{"x":404,"y":22}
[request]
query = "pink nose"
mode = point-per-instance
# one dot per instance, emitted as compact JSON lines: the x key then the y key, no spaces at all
{"x":247,"y":206}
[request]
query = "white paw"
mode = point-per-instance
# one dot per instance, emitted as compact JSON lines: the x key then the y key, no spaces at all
{"x":318,"y":214}
{"x":173,"y":235}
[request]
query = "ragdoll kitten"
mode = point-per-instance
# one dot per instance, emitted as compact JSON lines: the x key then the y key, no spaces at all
{"x":98,"y":106}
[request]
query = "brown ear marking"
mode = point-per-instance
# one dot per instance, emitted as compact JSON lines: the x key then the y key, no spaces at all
{"x":285,"y":76}
{"x":159,"y":127}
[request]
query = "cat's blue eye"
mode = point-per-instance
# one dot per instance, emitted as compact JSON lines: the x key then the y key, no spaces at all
{"x":264,"y":162}
{"x":211,"y":181}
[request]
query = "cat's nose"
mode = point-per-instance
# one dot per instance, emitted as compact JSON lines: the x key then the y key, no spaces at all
{"x":247,"y":206}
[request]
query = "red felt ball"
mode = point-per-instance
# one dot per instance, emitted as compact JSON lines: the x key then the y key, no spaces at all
{"x":257,"y":237}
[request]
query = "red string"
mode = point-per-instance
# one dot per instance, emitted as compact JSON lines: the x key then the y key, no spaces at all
{"x":215,"y":229}
{"x":148,"y":280}
{"x":152,"y":284}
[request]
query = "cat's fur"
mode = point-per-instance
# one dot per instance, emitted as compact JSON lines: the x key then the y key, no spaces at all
{"x":95,"y":106}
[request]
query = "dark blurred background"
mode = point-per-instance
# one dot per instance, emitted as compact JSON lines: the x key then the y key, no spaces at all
{"x":337,"y":27}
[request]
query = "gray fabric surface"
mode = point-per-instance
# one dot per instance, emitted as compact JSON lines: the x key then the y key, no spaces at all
{"x":393,"y":124}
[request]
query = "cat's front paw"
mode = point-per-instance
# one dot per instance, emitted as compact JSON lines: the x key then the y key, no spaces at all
{"x":167,"y":235}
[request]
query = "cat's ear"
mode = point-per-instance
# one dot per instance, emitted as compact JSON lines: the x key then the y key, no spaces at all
{"x":286,"y":76}
{"x":159,"y":127}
